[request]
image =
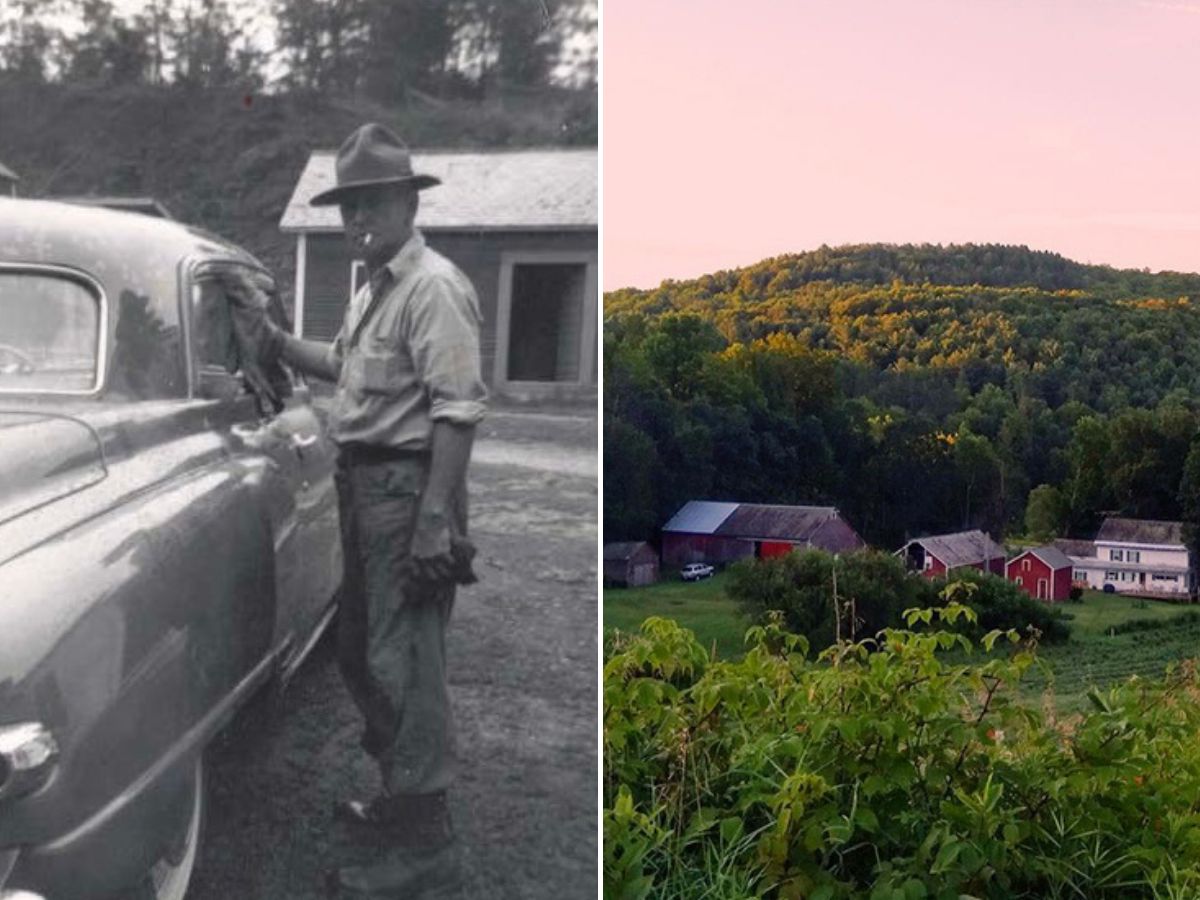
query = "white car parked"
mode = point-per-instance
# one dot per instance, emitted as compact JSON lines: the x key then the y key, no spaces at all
{"x":696,"y":571}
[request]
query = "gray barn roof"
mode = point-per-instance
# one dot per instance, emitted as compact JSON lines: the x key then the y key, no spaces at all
{"x":512,"y":190}
{"x":785,"y":523}
{"x":1049,"y":554}
{"x":963,"y":548}
{"x":1140,"y":531}
{"x":765,"y":522}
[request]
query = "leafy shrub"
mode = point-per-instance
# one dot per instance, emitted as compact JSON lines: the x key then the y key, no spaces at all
{"x":873,"y":589}
{"x":888,"y":774}
{"x":999,"y":603}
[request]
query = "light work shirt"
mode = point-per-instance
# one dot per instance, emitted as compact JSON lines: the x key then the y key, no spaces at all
{"x":416,"y":361}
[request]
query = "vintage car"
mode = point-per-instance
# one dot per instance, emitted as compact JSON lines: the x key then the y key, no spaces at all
{"x":168,"y":542}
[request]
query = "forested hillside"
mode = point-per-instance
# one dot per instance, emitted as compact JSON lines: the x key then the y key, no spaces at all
{"x":918,"y":388}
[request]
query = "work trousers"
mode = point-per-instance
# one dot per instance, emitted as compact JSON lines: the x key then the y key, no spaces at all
{"x":391,"y":635}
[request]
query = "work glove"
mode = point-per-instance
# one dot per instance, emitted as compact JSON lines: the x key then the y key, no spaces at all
{"x":438,"y":555}
{"x":259,"y":340}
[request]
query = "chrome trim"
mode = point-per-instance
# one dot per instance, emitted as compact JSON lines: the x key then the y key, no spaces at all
{"x":91,"y":284}
{"x":28,"y":752}
{"x":191,"y":742}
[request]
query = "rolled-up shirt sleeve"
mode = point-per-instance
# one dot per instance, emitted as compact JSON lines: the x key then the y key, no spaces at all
{"x":444,"y":340}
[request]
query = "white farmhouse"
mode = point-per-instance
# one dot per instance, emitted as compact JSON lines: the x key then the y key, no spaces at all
{"x":1134,"y":556}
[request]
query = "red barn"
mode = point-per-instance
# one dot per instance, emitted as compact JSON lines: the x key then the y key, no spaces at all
{"x":1044,"y":573}
{"x":704,"y":531}
{"x":938,"y":554}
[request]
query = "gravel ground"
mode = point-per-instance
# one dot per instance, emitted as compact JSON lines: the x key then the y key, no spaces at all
{"x":523,"y":669}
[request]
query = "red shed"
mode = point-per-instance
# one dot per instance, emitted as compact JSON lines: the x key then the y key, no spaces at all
{"x":940,"y":553}
{"x":1044,"y":573}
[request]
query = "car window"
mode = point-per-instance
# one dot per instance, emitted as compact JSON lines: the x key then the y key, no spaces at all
{"x":49,"y":333}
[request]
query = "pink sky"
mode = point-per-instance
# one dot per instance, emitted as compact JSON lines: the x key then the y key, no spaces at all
{"x":735,"y":130}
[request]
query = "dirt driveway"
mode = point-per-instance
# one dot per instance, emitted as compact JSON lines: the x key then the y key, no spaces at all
{"x":523,"y":664}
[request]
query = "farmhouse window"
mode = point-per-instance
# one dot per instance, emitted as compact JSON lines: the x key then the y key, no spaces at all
{"x":1174,"y":579}
{"x":1080,"y":575}
{"x":1133,"y":556}
{"x":1110,"y":576}
{"x":1116,"y":555}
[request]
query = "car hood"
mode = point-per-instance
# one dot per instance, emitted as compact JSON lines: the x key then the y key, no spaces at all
{"x":44,"y":456}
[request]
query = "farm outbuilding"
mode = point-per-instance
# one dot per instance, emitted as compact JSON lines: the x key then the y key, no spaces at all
{"x":523,"y":226}
{"x":706,"y":531}
{"x":1044,"y":573}
{"x":630,"y":564}
{"x":941,"y":553}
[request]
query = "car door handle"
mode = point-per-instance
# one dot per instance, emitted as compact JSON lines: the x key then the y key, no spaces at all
{"x":303,"y":441}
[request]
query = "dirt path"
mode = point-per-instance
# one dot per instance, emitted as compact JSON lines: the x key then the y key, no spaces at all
{"x":523,"y":657}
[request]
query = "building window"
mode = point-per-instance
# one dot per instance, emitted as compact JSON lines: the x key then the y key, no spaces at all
{"x":1133,"y":556}
{"x":928,"y":562}
{"x":1020,"y":580}
{"x":1116,"y":555}
{"x":1024,"y":565}
{"x":1079,"y":575}
{"x":1174,"y":579}
{"x":1110,"y":576}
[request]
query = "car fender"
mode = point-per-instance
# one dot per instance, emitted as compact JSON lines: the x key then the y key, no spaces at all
{"x":137,"y":629}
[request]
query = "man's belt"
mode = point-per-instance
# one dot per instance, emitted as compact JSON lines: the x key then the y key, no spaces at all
{"x":353,"y":453}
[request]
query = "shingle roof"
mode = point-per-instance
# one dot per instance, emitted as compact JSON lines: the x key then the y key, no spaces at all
{"x":700,"y":517}
{"x":963,"y":548}
{"x":1140,"y":531}
{"x":1050,"y":555}
{"x":769,"y":522}
{"x":1075,"y":548}
{"x":514,"y":190}
{"x":620,"y":550}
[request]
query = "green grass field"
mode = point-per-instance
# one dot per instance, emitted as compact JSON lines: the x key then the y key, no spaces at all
{"x":1093,"y":656}
{"x":699,"y":605}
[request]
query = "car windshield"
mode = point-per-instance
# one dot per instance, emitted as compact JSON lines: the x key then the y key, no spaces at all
{"x":49,"y":334}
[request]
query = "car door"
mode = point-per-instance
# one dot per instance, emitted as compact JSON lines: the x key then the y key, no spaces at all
{"x":287,"y":430}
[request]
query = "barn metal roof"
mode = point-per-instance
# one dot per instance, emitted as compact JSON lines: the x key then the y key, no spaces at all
{"x":700,"y":517}
{"x":1049,"y":554}
{"x":510,"y":190}
{"x":1140,"y":531}
{"x":963,"y":548}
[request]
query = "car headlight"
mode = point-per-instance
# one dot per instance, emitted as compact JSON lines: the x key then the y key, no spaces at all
{"x":28,"y":752}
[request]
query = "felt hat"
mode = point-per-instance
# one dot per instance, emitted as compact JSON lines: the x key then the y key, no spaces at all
{"x":371,"y":156}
